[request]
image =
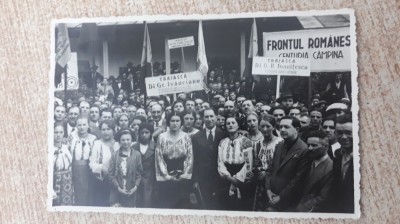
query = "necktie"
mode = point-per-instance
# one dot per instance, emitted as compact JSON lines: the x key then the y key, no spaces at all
{"x":210,"y":138}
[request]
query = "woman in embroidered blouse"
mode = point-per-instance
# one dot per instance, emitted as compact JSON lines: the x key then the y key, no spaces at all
{"x":100,"y":162}
{"x":81,"y":144}
{"x":234,"y":164}
{"x":146,"y":146}
{"x":174,"y":164}
{"x":263,"y":158}
{"x":189,"y":118}
{"x":62,"y":182}
{"x":125,"y":171}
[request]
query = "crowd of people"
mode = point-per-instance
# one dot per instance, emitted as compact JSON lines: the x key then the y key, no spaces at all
{"x":230,"y":148}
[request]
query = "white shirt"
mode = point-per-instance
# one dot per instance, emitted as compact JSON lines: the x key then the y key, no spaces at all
{"x":143,"y":148}
{"x":335,"y":147}
{"x":212,"y":132}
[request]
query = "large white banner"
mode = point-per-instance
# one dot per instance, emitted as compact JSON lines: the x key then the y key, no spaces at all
{"x":328,"y":49}
{"x":174,"y":83}
{"x":281,"y":66}
{"x":72,"y":74}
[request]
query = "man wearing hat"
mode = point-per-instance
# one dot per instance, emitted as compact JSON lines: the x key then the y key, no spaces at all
{"x":286,"y":100}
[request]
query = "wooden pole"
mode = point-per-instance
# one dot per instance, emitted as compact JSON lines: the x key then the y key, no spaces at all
{"x":65,"y":85}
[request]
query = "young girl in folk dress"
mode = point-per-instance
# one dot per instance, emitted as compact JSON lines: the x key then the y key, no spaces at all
{"x":62,"y":177}
{"x":264,"y":157}
{"x":125,"y":171}
{"x":100,"y":162}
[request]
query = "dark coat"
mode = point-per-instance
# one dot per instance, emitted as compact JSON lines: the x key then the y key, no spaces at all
{"x":146,"y":188}
{"x":317,"y":188}
{"x":205,"y":165}
{"x":286,"y":173}
{"x":342,"y":197}
{"x":134,"y":174}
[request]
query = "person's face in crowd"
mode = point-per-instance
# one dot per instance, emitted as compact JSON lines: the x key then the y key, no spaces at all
{"x":135,"y":124}
{"x":304,"y":121}
{"x":198,"y":103}
{"x":237,"y":85}
{"x":231,"y":85}
{"x":239,"y":101}
{"x":125,"y":141}
{"x":209,"y":119}
{"x":205,"y":106}
{"x":188,"y":121}
{"x":266,"y":128}
{"x":97,"y":103}
{"x":338,"y":77}
{"x":106,"y":115}
{"x":294,"y":113}
{"x":212,"y":74}
{"x":232,"y":125}
{"x":168,"y":110}
{"x":106,"y":132}
{"x":226,"y":91}
{"x":264,"y":109}
{"x":124,"y":121}
{"x":252,"y":122}
{"x":288,"y":102}
{"x":344,"y":134}
{"x":117,"y":112}
{"x":132,"y":96}
{"x":314,"y":101}
{"x":82,"y":126}
{"x":232,"y":96}
{"x":221,"y":101}
{"x":220,"y":121}
{"x":84,"y":107}
{"x":94,"y":114}
{"x":339,"y":113}
{"x":199,"y":122}
{"x":190,"y":105}
{"x":125,"y":103}
{"x":120,"y":97}
{"x":243,"y":84}
{"x":316,"y":147}
{"x":144,"y":136}
{"x":288,"y":132}
{"x":329,"y":128}
{"x":278,"y":114}
{"x":131,"y":110}
{"x":58,"y":134}
{"x":175,"y":123}
{"x":59,"y":113}
{"x":156,"y":112}
{"x":73,"y":114}
{"x":258,"y":107}
{"x":118,"y":81}
{"x":141,"y":98}
{"x":229,"y":107}
{"x":178,"y":107}
{"x":130,"y":77}
{"x":247,"y":106}
{"x":141,"y":112}
{"x":316,"y":118}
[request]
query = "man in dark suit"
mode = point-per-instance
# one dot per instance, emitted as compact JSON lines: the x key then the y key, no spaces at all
{"x":117,"y":87}
{"x":289,"y":166}
{"x":205,"y":153}
{"x":70,"y":125}
{"x":318,"y":183}
{"x":159,"y":124}
{"x":343,"y":170}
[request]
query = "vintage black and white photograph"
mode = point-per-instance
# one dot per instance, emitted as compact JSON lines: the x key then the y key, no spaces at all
{"x":251,"y":114}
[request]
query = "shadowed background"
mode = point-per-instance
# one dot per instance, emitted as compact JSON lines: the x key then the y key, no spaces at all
{"x":25,"y":65}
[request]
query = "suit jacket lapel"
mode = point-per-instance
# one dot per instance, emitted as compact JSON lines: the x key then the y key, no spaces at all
{"x":292,"y":151}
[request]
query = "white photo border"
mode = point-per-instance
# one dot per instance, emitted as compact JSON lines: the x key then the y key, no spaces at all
{"x":196,"y":17}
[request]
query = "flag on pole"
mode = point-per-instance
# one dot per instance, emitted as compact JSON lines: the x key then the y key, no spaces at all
{"x":63,"y":51}
{"x":202,"y":64}
{"x":146,"y":64}
{"x":253,"y":52}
